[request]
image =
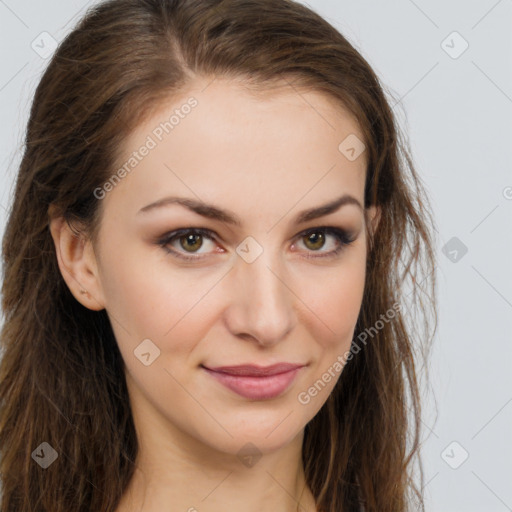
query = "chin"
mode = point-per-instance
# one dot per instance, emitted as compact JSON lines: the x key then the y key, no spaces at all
{"x":265,"y":436}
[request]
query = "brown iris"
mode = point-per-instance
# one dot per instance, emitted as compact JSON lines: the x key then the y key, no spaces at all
{"x":192,"y":242}
{"x":317,"y":239}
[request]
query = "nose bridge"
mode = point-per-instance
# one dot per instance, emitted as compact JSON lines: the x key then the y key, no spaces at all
{"x":262,"y":305}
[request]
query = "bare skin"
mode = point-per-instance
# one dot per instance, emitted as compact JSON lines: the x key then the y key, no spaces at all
{"x":264,"y":159}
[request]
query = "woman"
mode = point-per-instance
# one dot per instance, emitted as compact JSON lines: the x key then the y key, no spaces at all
{"x":204,"y":269}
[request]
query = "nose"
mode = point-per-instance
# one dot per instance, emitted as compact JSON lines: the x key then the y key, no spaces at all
{"x":261,"y":304}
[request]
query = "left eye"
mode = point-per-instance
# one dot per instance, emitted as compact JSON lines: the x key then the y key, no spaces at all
{"x":316,"y":240}
{"x":192,"y":239}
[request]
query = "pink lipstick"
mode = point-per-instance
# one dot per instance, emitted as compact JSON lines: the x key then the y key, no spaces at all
{"x":256,"y":382}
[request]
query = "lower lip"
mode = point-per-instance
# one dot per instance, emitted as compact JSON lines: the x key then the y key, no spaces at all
{"x":256,"y":388}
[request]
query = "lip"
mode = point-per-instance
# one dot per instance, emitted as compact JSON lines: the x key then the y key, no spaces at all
{"x":256,"y":382}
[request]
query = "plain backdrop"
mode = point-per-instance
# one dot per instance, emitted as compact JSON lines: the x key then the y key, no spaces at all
{"x":450,"y":66}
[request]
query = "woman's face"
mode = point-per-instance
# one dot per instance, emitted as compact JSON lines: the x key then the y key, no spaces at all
{"x":257,"y":280}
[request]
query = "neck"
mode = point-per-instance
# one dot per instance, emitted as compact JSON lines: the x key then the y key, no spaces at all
{"x":181,"y":475}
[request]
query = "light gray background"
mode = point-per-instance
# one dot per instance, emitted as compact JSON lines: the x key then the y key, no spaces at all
{"x":458,"y":113}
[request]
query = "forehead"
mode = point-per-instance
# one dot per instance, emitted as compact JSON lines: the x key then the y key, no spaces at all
{"x":221,"y":140}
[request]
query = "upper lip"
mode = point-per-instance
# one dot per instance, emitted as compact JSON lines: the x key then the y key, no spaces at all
{"x":251,"y":370}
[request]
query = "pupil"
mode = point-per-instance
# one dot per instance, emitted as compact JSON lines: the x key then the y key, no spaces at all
{"x":314,"y":238}
{"x":191,"y":239}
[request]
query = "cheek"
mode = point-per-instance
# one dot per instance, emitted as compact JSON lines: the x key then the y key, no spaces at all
{"x":333,"y":301}
{"x":149,"y":297}
{"x":169,"y":307}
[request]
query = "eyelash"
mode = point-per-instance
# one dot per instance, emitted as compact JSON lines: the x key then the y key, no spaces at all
{"x":343,"y":237}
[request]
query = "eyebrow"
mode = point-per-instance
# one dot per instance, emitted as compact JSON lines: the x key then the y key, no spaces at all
{"x":215,"y":213}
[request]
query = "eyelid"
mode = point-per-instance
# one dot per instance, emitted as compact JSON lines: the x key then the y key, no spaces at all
{"x":344,"y":237}
{"x":166,"y":239}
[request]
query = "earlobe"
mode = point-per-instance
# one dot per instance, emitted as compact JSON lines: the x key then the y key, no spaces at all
{"x":77,"y":264}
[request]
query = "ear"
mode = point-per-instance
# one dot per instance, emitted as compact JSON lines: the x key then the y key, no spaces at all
{"x":77,"y":264}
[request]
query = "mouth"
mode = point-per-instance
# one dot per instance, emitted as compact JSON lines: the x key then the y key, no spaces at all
{"x":256,"y":382}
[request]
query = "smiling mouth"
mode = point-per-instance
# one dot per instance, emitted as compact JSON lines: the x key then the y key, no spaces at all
{"x":256,"y":382}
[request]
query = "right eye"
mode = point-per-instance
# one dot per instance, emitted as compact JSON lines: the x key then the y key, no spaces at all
{"x":190,"y":240}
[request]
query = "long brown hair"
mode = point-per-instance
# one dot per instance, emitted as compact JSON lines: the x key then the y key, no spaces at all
{"x":62,"y":375}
